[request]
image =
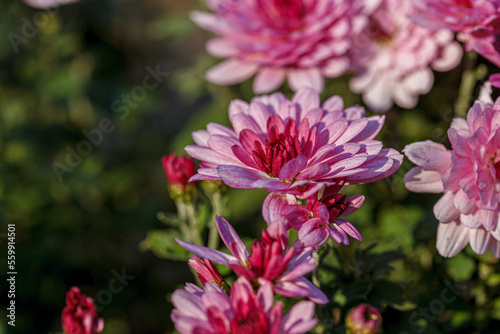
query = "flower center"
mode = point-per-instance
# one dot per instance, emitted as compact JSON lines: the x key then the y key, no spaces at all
{"x":249,"y":319}
{"x":336,"y":205}
{"x":283,"y":14}
{"x":267,"y":258}
{"x":281,"y":147}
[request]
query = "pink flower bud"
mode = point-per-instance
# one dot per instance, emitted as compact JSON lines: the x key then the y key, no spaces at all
{"x":363,"y":319}
{"x":178,"y":168}
{"x":80,"y":314}
{"x":207,"y":272}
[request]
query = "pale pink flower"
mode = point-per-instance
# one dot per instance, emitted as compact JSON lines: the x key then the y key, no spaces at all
{"x":80,"y":314}
{"x":477,"y":22}
{"x":299,"y":40}
{"x":469,"y":176}
{"x":269,"y":261}
{"x":43,"y":4}
{"x":393,"y":57}
{"x":293,"y":147}
{"x":211,"y":311}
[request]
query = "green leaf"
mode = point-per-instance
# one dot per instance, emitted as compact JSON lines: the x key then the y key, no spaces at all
{"x":163,"y":244}
{"x":461,"y":267}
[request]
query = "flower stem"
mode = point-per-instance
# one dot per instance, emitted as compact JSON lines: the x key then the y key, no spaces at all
{"x":470,"y":76}
{"x":213,"y":234}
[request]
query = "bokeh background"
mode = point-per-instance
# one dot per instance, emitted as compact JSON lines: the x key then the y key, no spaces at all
{"x":64,"y":71}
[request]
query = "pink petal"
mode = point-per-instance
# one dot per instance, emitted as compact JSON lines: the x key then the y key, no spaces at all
{"x":230,"y":72}
{"x":296,"y":215}
{"x":271,"y":184}
{"x":354,"y":203}
{"x":495,"y":80}
{"x":221,"y":48}
{"x":274,"y":204}
{"x":420,"y":181}
{"x":231,"y":239}
{"x":208,"y":155}
{"x":445,"y":210}
{"x":239,"y":177}
{"x":418,"y":152}
{"x":313,"y":233}
{"x":301,"y":78}
{"x":451,"y":238}
{"x":307,"y":98}
{"x":292,"y":168}
{"x":348,"y":228}
{"x":205,"y":252}
{"x":268,"y":79}
{"x":371,"y":129}
{"x":480,"y":240}
{"x":300,"y":318}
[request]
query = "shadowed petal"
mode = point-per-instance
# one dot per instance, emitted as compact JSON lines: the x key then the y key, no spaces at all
{"x":231,"y":239}
{"x":205,"y":252}
{"x":451,"y":238}
{"x":239,"y":177}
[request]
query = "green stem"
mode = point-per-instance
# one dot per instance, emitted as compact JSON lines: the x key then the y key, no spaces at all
{"x":183,"y":227}
{"x":470,"y":76}
{"x":315,"y":274}
{"x":213,"y":234}
{"x":193,"y":223}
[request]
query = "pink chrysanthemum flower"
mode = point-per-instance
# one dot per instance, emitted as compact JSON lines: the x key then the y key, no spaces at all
{"x":321,"y":217}
{"x":43,"y":4}
{"x":211,"y":311}
{"x":269,"y":261}
{"x":80,"y":314}
{"x":393,"y":57}
{"x":469,"y":176}
{"x":301,"y":40}
{"x":293,"y":147}
{"x":477,"y":23}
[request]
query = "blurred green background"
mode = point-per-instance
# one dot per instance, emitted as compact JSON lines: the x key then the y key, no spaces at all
{"x":79,"y":69}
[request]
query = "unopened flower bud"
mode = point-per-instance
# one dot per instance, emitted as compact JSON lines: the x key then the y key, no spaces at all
{"x":80,"y":314}
{"x":179,"y":169}
{"x":363,"y":319}
{"x":207,"y":272}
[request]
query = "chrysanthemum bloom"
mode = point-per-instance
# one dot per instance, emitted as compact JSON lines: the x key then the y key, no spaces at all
{"x":211,"y":311}
{"x":363,"y":319}
{"x":477,"y":23}
{"x":80,"y":314}
{"x":299,"y":40}
{"x":393,"y":57}
{"x":321,"y":218}
{"x":269,"y":261}
{"x":293,"y":147}
{"x":469,"y":176}
{"x":42,"y":4}
{"x":178,"y":169}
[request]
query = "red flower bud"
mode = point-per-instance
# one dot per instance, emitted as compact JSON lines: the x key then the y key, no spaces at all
{"x":80,"y":314}
{"x":178,"y":169}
